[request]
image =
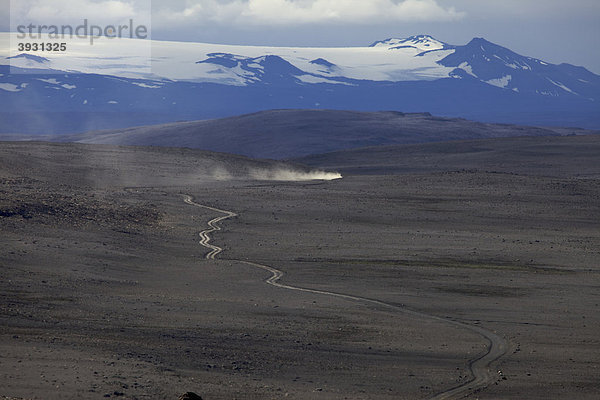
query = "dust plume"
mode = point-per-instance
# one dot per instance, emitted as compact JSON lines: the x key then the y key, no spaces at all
{"x":221,"y":174}
{"x":283,"y":174}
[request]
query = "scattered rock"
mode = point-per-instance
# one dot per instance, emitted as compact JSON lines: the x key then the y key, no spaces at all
{"x":189,"y":396}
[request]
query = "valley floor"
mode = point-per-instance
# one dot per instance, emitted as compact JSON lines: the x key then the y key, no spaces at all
{"x":105,"y":292}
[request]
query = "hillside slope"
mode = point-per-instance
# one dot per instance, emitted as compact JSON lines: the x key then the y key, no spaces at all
{"x":96,"y":166}
{"x":574,"y":156}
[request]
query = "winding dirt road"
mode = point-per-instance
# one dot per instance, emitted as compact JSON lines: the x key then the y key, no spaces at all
{"x":213,"y":227}
{"x":481,"y":367}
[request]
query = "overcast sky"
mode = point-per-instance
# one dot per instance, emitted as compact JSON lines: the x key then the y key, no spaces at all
{"x":553,"y":30}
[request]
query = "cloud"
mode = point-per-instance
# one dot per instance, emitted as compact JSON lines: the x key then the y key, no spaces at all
{"x":299,"y":12}
{"x":232,"y":13}
{"x":72,"y":12}
{"x":530,"y":10}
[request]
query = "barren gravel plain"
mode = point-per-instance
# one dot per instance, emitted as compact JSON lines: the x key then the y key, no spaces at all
{"x":105,"y":291}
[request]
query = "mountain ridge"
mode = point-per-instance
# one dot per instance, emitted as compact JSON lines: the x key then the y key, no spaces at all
{"x":190,"y":81}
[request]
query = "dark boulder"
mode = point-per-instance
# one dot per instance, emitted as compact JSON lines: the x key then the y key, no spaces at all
{"x":190,"y":396}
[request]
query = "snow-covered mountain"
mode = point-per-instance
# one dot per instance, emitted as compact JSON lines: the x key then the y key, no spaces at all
{"x":181,"y":80}
{"x":421,"y":43}
{"x":202,"y":62}
{"x":498,"y":66}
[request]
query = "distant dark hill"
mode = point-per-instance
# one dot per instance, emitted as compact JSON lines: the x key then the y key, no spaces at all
{"x":572,"y":156}
{"x":282,"y":134}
